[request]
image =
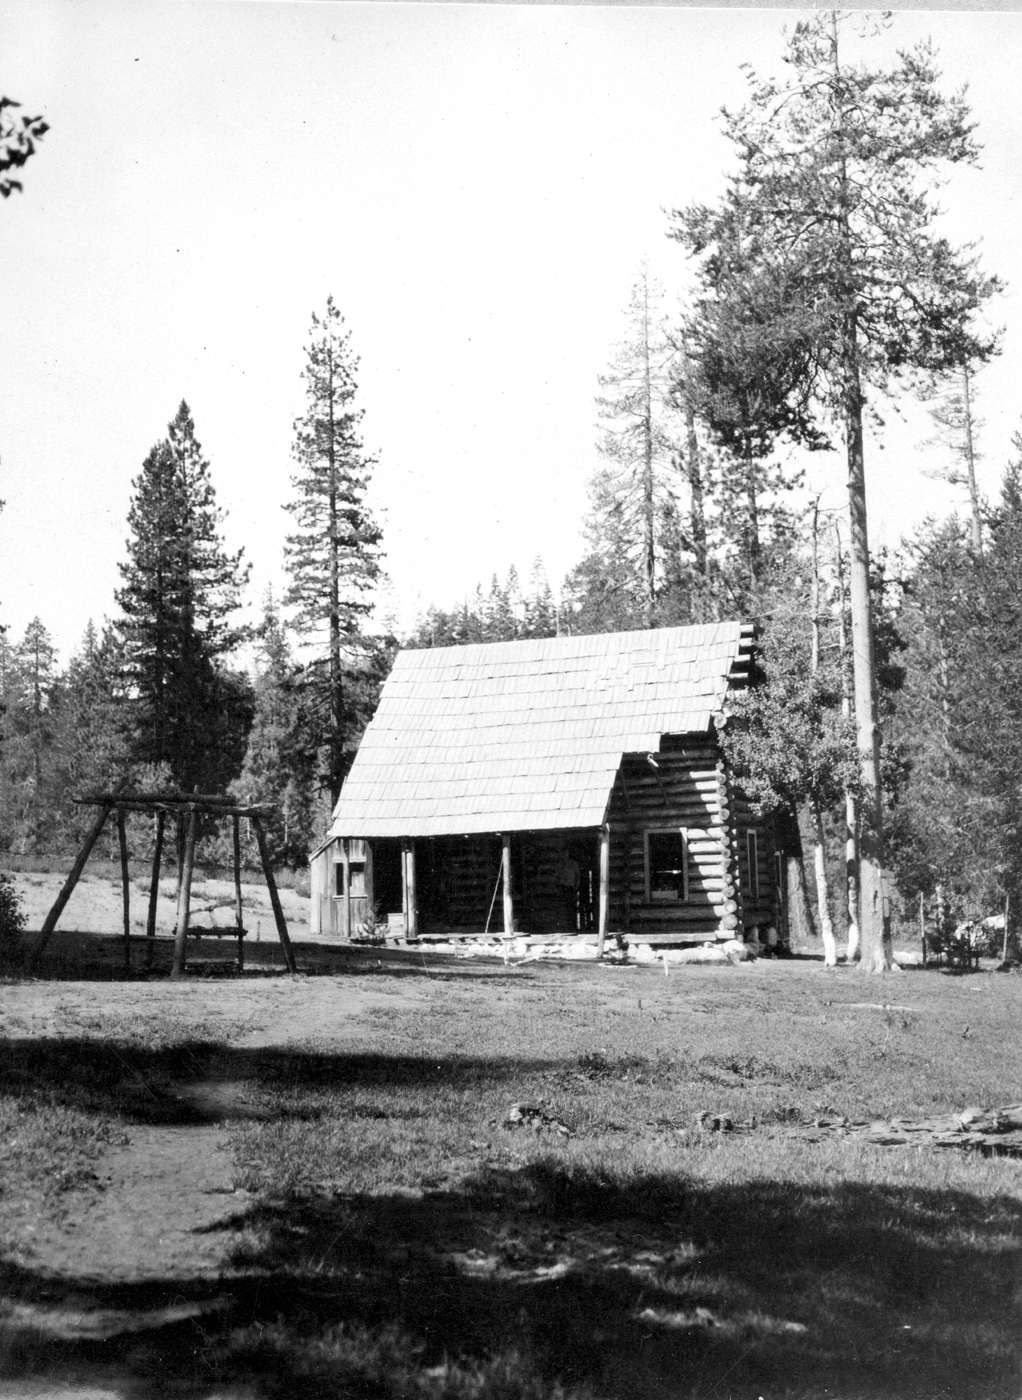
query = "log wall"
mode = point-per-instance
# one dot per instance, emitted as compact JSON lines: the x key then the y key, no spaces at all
{"x":688,"y":787}
{"x":458,"y":884}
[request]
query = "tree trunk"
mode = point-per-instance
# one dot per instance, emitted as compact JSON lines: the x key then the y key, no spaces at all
{"x":752,"y":523}
{"x":976,"y":522}
{"x":697,"y":502}
{"x":799,"y":911}
{"x":876,"y":938}
{"x":823,"y":890}
{"x":853,"y":949}
{"x":801,"y":929}
{"x":940,"y":918}
{"x":648,"y":543}
{"x":336,"y":736}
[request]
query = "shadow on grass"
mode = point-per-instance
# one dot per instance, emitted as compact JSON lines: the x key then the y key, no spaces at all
{"x":80,"y":956}
{"x":142,"y":1085}
{"x":525,"y":1281}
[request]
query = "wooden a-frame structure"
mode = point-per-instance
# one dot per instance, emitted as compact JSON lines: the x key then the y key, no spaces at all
{"x":186,"y":809}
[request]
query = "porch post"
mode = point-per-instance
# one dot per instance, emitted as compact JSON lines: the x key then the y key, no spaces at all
{"x":604,"y":889}
{"x":509,"y":913}
{"x":370,"y":894}
{"x":184,"y":896}
{"x":408,"y":873}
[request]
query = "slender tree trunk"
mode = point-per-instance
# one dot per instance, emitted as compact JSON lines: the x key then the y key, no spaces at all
{"x":876,"y":938}
{"x":648,"y":521}
{"x":853,"y":949}
{"x":976,"y":527}
{"x":697,"y":501}
{"x":752,"y":523}
{"x":819,"y":837}
{"x":801,"y":929}
{"x":823,"y":889}
{"x":336,"y":740}
{"x":940,"y":916}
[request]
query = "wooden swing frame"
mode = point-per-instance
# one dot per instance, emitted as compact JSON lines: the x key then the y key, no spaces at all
{"x":186,"y":809}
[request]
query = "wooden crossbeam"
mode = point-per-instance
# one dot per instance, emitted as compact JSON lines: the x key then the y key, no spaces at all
{"x":153,"y":806}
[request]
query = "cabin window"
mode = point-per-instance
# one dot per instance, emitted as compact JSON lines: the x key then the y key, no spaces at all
{"x":666,"y":864}
{"x":356,"y":883}
{"x":752,"y":862}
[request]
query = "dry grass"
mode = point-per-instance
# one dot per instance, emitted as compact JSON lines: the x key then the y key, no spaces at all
{"x":403,"y":1239}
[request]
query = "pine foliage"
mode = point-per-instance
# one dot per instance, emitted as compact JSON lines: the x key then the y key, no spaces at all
{"x":333,"y":554}
{"x":181,"y":588}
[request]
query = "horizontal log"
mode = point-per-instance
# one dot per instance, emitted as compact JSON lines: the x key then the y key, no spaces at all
{"x":150,"y":806}
{"x":682,"y":913}
{"x":664,"y":940}
{"x":170,"y":795}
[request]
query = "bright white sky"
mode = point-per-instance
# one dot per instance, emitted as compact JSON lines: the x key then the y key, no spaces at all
{"x":475,"y":185}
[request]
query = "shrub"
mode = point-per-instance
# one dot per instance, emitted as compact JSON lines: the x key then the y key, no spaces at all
{"x":12,"y":918}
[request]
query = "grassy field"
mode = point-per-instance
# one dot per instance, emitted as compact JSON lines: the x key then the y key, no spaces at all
{"x":393,"y":1232}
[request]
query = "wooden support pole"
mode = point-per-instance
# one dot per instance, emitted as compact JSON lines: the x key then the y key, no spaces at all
{"x":179,"y":851}
{"x":122,"y":843}
{"x":370,"y":887}
{"x":271,"y":885}
{"x":410,"y":893}
{"x":509,"y":910}
{"x":50,"y":922}
{"x":184,"y":898}
{"x":154,"y":890}
{"x":604,"y":890}
{"x":239,"y":921}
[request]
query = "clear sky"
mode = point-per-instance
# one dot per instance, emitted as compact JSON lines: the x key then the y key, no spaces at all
{"x":476,"y":186}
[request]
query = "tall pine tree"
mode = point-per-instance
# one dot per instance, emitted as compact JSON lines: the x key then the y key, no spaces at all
{"x":333,"y":555}
{"x":180,"y":590}
{"x":834,"y":164}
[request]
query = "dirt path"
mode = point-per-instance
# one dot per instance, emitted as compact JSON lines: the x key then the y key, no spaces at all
{"x":162,"y":1203}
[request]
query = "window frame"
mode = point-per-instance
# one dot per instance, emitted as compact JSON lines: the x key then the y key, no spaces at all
{"x":663,"y":898}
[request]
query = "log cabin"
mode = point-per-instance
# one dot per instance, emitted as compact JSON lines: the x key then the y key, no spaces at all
{"x":565,"y":785}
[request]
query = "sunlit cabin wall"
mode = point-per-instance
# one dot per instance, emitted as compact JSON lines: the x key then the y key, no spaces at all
{"x":685,"y":786}
{"x":340,"y":902}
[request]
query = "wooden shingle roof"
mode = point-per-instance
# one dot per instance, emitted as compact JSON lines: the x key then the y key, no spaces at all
{"x":516,"y":736}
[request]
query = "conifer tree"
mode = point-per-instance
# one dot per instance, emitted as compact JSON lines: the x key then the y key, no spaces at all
{"x":748,"y":342}
{"x":333,"y":555}
{"x":180,"y":590}
{"x":951,"y":399}
{"x":834,"y":163}
{"x":31,"y":699}
{"x":639,"y":478}
{"x":278,"y":768}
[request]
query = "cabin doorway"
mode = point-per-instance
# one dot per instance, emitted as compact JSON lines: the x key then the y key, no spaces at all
{"x":388,"y":892}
